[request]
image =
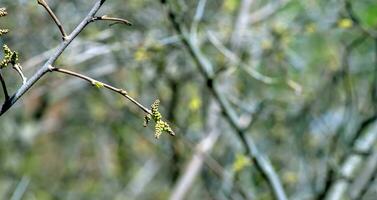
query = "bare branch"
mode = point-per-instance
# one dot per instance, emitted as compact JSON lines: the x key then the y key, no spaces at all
{"x":54,"y":17}
{"x":197,"y":160}
{"x":113,"y":19}
{"x":101,"y":84}
{"x":365,"y":179}
{"x":331,"y":174}
{"x":46,"y":67}
{"x":235,"y":61}
{"x":267,"y":11}
{"x":241,"y":23}
{"x":355,"y":19}
{"x":4,"y":86}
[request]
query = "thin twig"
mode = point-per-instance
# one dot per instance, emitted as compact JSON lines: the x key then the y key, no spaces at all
{"x":198,"y":16}
{"x":4,"y":86}
{"x":365,"y":179}
{"x":54,"y":17}
{"x":101,"y":84}
{"x":203,"y":148}
{"x":18,"y":69}
{"x":21,"y":188}
{"x":330,"y":173}
{"x":267,"y":11}
{"x":113,"y":19}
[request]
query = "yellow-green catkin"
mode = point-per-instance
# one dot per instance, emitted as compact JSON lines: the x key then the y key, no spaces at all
{"x":161,"y":126}
{"x":10,"y":57}
{"x":3,"y":12}
{"x":3,"y":31}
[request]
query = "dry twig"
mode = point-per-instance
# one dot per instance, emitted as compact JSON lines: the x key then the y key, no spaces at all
{"x":54,"y":17}
{"x":206,"y":69}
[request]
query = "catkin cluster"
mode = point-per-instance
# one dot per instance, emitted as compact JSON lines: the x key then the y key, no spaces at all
{"x":161,"y":126}
{"x":10,"y":57}
{"x":3,"y":12}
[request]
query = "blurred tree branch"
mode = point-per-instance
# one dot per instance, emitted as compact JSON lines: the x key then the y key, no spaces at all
{"x":365,"y":180}
{"x":206,"y":69}
{"x":356,"y":20}
{"x":160,"y":124}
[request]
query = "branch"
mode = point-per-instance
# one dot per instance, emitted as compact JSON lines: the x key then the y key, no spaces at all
{"x":349,"y":166}
{"x":374,"y":83}
{"x":198,"y":159}
{"x":18,"y":69}
{"x":206,"y":69}
{"x":160,"y":127}
{"x":45,"y":68}
{"x":356,"y":20}
{"x":113,"y":19}
{"x":198,"y":16}
{"x":331,"y":174}
{"x":362,"y":127}
{"x":100,"y":84}
{"x":54,"y":17}
{"x":365,"y":179}
{"x":21,"y":188}
{"x":4,"y":86}
{"x":235,"y":61}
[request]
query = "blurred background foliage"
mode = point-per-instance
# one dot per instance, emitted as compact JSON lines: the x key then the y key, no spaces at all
{"x":307,"y":71}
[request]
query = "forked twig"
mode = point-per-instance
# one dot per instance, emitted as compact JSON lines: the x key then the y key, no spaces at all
{"x":18,"y":69}
{"x":113,"y":19}
{"x":206,"y":69}
{"x":161,"y":126}
{"x":100,"y":84}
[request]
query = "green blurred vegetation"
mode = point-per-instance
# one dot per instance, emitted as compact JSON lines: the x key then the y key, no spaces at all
{"x":308,"y":67}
